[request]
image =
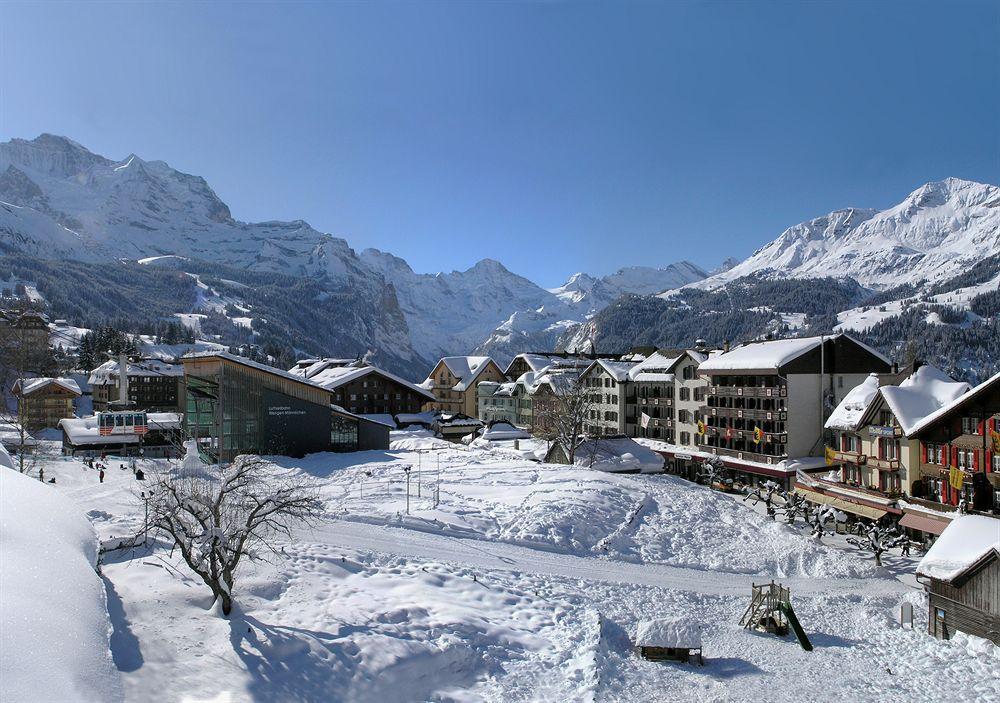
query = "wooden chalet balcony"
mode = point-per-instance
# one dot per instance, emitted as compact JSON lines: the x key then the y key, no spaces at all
{"x":849,"y":457}
{"x":884,"y":464}
{"x":747,"y":414}
{"x":749,"y":391}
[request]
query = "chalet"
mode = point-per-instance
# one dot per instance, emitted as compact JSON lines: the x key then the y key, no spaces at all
{"x":499,"y":401}
{"x":454,"y":380}
{"x":362,"y":388}
{"x":43,"y":402}
{"x":959,"y":454}
{"x":870,"y":446}
{"x":152,"y":384}
{"x":767,"y":402}
{"x":961,"y":575}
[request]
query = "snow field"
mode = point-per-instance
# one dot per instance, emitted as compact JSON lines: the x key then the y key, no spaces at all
{"x":523,"y":584}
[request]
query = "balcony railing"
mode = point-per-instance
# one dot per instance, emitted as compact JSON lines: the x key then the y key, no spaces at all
{"x":748,"y":414}
{"x":749,"y":391}
{"x":884,"y":464}
{"x":748,"y":456}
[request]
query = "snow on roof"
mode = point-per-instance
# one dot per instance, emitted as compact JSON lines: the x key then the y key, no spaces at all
{"x":954,"y":404}
{"x":966,"y":540}
{"x":229,"y":356}
{"x":33,"y":385}
{"x":108,"y":371}
{"x":84,"y":430}
{"x":656,"y":367}
{"x":381,"y":419}
{"x":922,"y":393}
{"x":465,"y":368}
{"x":772,"y":354}
{"x":497,"y":431}
{"x":683,"y":633}
{"x":424,"y":418}
{"x":618,"y":370}
{"x":847,"y":415}
{"x":333,"y":373}
{"x":617,"y":454}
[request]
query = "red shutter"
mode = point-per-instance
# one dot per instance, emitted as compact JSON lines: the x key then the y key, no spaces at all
{"x":944,"y":492}
{"x":975,"y":460}
{"x":923,"y":453}
{"x":954,"y":456}
{"x":989,"y":460}
{"x":843,"y":442}
{"x":979,"y":427}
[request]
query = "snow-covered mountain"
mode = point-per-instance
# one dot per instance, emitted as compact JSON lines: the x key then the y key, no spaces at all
{"x":936,"y":232}
{"x":59,"y":200}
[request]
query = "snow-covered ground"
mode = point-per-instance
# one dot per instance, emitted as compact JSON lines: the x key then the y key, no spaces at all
{"x":512,"y":580}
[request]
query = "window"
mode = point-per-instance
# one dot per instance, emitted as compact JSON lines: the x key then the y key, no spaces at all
{"x":965,"y":460}
{"x":889,"y":481}
{"x":850,"y":443}
{"x":888,"y":448}
{"x":688,"y":373}
{"x":685,"y":393}
{"x":970,"y":425}
{"x":936,"y":453}
{"x":852,"y":473}
{"x":996,"y":466}
{"x":885,"y":418}
{"x":699,"y":393}
{"x":685,"y":438}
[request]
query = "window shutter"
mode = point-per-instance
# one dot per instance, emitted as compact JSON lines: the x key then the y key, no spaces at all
{"x":923,"y":452}
{"x":954,"y":456}
{"x":975,"y":460}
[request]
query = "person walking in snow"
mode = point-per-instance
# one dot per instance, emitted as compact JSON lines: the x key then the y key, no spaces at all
{"x":102,"y":475}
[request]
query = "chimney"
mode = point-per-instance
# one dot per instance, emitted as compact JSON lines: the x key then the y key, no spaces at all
{"x":725,"y":346}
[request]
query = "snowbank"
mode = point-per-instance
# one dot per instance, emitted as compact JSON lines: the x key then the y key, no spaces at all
{"x":964,"y":542}
{"x":416,"y":440}
{"x":618,"y":454}
{"x":54,"y":626}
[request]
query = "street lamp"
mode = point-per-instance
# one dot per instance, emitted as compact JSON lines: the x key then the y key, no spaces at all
{"x":407,"y":470}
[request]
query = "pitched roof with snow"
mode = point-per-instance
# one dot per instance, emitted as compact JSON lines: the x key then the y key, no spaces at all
{"x":29,"y":386}
{"x":772,"y":354}
{"x":965,"y":542}
{"x":108,"y":372}
{"x":654,"y":368}
{"x":465,"y":368}
{"x":922,"y":393}
{"x":617,"y":454}
{"x":848,"y":414}
{"x":497,"y":431}
{"x":955,"y":404}
{"x":333,"y":373}
{"x":618,"y":370}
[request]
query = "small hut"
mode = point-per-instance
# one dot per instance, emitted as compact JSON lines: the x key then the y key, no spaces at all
{"x":669,"y":639}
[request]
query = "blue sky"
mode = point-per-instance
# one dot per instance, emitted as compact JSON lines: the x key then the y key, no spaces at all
{"x":554,"y":137}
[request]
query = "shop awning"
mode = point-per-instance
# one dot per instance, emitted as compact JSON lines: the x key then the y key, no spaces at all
{"x":847,"y":506}
{"x":923,"y":523}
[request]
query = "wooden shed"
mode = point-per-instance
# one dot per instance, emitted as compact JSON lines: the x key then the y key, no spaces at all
{"x":961,"y":574}
{"x":669,"y":639}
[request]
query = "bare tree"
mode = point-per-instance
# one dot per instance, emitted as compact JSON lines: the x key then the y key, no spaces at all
{"x":764,"y":493}
{"x":566,"y":412}
{"x":878,"y":540}
{"x":217,"y":516}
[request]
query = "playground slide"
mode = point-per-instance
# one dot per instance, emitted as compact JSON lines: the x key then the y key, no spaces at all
{"x":800,"y":634}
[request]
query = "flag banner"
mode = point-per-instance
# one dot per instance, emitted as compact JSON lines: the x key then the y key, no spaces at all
{"x":830,"y":456}
{"x":701,"y":427}
{"x":995,"y":438}
{"x":644,"y":421}
{"x":956,"y":477}
{"x":758,"y":435}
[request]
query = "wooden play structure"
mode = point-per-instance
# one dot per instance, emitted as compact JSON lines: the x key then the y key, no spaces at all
{"x":770,"y":610}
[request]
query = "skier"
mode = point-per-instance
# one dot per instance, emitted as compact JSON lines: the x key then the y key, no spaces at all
{"x":102,"y":475}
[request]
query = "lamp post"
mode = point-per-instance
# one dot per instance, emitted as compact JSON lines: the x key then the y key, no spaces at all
{"x":407,"y":470}
{"x":145,"y":524}
{"x":419,"y":456}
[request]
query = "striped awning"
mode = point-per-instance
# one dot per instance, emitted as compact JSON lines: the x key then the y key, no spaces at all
{"x":847,"y":506}
{"x":923,"y":523}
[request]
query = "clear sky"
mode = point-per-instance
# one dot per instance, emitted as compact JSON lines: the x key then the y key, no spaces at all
{"x":554,"y":137}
